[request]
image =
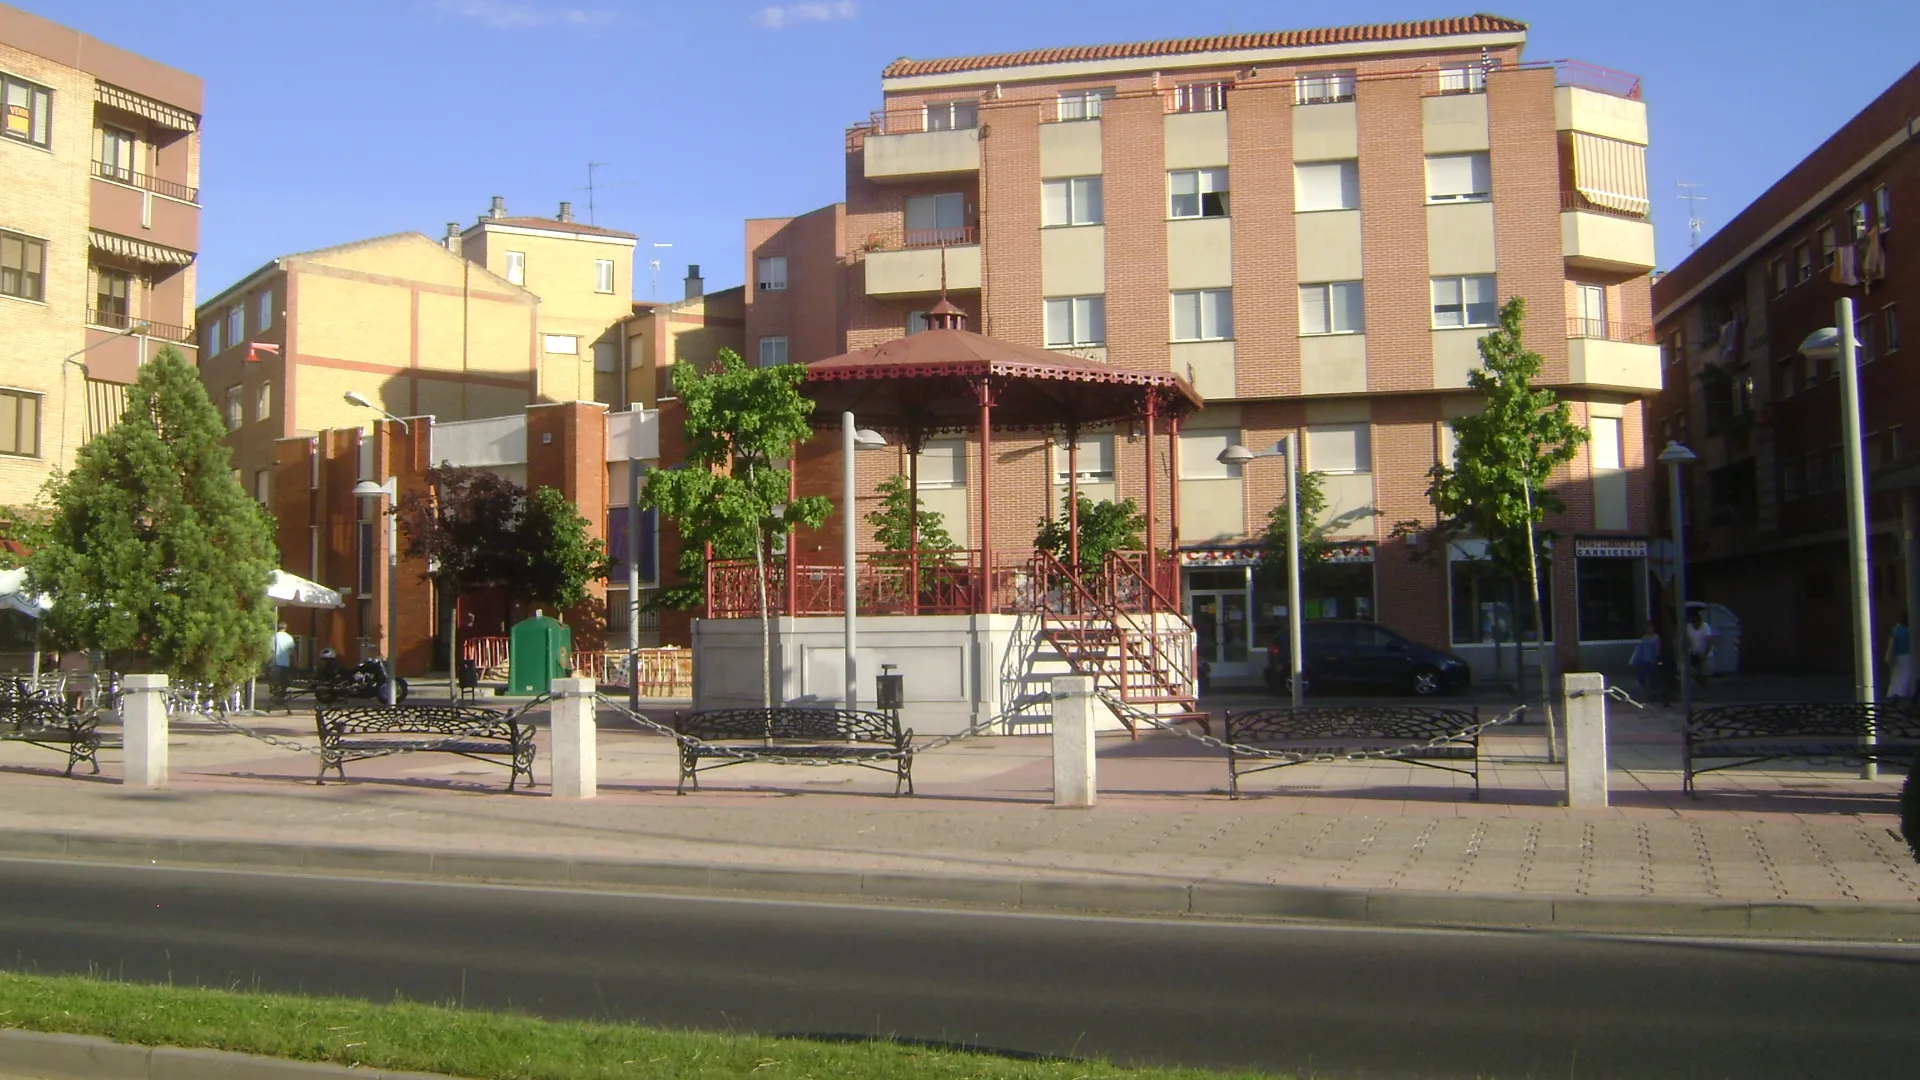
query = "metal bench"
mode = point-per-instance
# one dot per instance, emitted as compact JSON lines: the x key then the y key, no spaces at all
{"x":470,"y":731}
{"x":1437,"y":738}
{"x":53,"y":725}
{"x":1736,"y":735}
{"x":717,"y":738}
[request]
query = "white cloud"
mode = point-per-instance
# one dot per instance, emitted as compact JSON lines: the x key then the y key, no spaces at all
{"x":507,"y":15}
{"x":774,"y":18}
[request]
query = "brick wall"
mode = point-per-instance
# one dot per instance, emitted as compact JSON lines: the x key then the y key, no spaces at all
{"x":1266,"y":316}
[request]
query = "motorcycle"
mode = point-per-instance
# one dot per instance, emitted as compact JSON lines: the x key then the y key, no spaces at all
{"x":368,"y":680}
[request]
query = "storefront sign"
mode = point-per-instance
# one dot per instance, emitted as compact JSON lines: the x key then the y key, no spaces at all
{"x":1220,"y":557}
{"x":1351,"y":553}
{"x":1610,"y":548}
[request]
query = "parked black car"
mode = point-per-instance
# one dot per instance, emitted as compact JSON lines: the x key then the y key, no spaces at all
{"x":1366,"y":657}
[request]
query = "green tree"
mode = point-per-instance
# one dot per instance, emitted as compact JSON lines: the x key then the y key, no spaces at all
{"x":154,"y":553}
{"x":1315,"y":548}
{"x":738,"y":421}
{"x":560,"y":558}
{"x":1105,"y":527}
{"x":895,"y":521}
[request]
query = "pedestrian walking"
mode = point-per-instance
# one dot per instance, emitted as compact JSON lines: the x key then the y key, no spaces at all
{"x":1900,"y":678}
{"x":280,"y":664}
{"x":1645,"y":660}
{"x":1699,"y":644}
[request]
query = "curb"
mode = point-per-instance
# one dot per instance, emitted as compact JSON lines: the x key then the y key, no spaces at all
{"x":1203,"y":899}
{"x":87,"y":1057}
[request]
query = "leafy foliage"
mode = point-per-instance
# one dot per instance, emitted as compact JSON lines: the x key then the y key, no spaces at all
{"x":22,"y":529}
{"x":154,"y":553}
{"x":560,"y":557}
{"x":1105,"y":527}
{"x":1315,"y":548}
{"x":477,"y":528}
{"x":892,"y":522}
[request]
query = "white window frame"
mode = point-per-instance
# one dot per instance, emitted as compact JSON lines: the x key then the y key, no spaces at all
{"x":1200,"y":454}
{"x":563,"y":344}
{"x":1211,"y":314}
{"x":1465,"y":306}
{"x":517,"y":268}
{"x":773,"y":350}
{"x":952,"y":472}
{"x":1608,"y":449}
{"x":237,"y":324}
{"x":264,"y":312}
{"x":1205,"y":182}
{"x":1072,"y":200}
{"x":1306,"y":196}
{"x":1335,"y":317}
{"x":949,"y":115}
{"x":1323,"y":87}
{"x":1479,"y":167}
{"x":1086,"y":321}
{"x":236,"y":407}
{"x":1362,"y":447}
{"x":1092,"y":448}
{"x":1471,"y":79}
{"x":263,"y":402}
{"x":1082,"y":104}
{"x":603,"y":275}
{"x":770,"y":273}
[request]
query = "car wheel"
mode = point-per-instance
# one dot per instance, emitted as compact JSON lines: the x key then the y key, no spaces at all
{"x":1426,"y":681}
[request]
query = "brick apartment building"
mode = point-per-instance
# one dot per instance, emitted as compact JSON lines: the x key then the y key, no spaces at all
{"x":1765,"y":505}
{"x":99,"y":229}
{"x":1314,"y":228}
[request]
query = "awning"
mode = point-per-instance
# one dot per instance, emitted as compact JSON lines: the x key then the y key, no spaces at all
{"x":13,"y":594}
{"x":138,"y":250}
{"x":165,"y":115}
{"x":289,"y":590}
{"x":1611,"y":173}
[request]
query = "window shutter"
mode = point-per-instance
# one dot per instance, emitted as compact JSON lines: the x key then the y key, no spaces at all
{"x":1610,"y":173}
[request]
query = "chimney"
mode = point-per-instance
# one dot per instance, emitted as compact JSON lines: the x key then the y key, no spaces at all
{"x":499,"y":207}
{"x":453,"y":237}
{"x":566,"y":211}
{"x":695,"y":285}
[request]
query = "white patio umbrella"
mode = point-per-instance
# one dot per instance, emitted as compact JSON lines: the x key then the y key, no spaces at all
{"x":291,"y":590}
{"x":13,"y":594}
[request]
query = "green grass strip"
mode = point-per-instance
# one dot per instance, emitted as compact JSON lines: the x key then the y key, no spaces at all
{"x":486,"y":1045}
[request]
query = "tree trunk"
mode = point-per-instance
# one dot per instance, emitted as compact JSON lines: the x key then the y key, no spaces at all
{"x":1540,"y":634}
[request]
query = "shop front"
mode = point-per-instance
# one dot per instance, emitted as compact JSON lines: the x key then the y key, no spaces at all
{"x":1612,"y":574}
{"x":1238,"y":607}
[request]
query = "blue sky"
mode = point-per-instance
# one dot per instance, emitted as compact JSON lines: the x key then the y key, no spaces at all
{"x":329,"y":122}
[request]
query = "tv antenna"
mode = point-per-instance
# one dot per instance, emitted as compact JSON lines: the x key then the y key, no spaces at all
{"x":1692,"y":197}
{"x":593,"y":185}
{"x":653,"y":293}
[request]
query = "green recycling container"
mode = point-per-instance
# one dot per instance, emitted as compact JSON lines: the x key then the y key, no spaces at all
{"x":537,"y":651}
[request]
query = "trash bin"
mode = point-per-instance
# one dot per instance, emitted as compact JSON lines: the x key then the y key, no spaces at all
{"x":537,"y":651}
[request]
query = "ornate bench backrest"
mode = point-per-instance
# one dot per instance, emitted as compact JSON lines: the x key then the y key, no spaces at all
{"x":1395,"y":723}
{"x":1766,"y":720}
{"x":472,"y":721}
{"x":28,"y":715}
{"x":795,"y":723}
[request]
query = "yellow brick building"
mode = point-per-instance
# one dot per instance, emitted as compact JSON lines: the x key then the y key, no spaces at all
{"x":694,"y":329}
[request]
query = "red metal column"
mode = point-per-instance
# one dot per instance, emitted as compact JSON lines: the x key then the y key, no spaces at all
{"x":1173,"y":502}
{"x":1073,"y":499}
{"x":984,"y":389}
{"x":1153,"y":531}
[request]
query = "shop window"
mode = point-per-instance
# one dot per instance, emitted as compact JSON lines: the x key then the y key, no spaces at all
{"x":1489,"y":606}
{"x":1613,"y":599}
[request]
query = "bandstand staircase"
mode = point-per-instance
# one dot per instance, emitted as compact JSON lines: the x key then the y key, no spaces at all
{"x":1117,"y":630}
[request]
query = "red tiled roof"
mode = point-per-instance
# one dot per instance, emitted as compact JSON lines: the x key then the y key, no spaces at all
{"x":553,"y":225}
{"x":1274,"y":39}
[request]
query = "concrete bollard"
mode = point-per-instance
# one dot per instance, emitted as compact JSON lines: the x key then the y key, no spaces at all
{"x":575,"y":749}
{"x":1583,"y":702}
{"x":1073,"y":706}
{"x":143,"y":719}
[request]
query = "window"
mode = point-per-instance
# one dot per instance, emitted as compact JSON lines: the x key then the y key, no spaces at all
{"x":936,"y":220}
{"x":773,"y":351}
{"x":1777,"y":275}
{"x":1793,"y":479}
{"x":1882,"y":208}
{"x":262,"y":486}
{"x":1857,"y":220}
{"x":1863,"y":340}
{"x":943,"y":463}
{"x":1676,"y":348}
{"x":1459,"y":178}
{"x":1337,"y":307}
{"x":1606,"y":442}
{"x":264,"y":317}
{"x":19,"y":423}
{"x":1076,"y":320}
{"x":916,"y":322}
{"x":1590,"y":320}
{"x":1200,"y":455}
{"x":1083,"y":104}
{"x":1829,"y":241}
{"x":1073,"y":201}
{"x":770,"y":273}
{"x":1812,"y":373}
{"x":23,"y":267}
{"x":606,"y":357}
{"x":1339,"y":448}
{"x":1317,"y":87}
{"x":1489,"y":605}
{"x":1093,"y":460}
{"x":517,"y":267}
{"x":953,"y":115}
{"x":1613,"y":598}
{"x":112,"y":298}
{"x":1447,"y":448}
{"x":565,"y":344}
{"x":235,"y":407}
{"x":1463,"y":80}
{"x":1896,"y":442}
{"x":213,"y":337}
{"x":236,"y":324}
{"x":603,"y":275}
{"x":26,"y":111}
{"x":1464,"y":301}
{"x":1326,"y":185}
{"x":117,"y":158}
{"x":1802,"y":264}
{"x":1890,"y":329}
{"x":1789,"y":380}
{"x":263,"y":402}
{"x":1200,"y":97}
{"x":1198,"y":193}
{"x":1205,"y":315}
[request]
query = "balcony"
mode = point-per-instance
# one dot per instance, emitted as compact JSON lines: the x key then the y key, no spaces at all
{"x":1198,"y":97}
{"x":1604,"y":357}
{"x":171,"y":190}
{"x":1599,"y":101}
{"x":913,"y":144}
{"x":120,"y":320}
{"x":1603,"y":239}
{"x":917,"y":269}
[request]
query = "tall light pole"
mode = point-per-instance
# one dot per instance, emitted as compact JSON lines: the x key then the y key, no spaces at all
{"x":852,"y":440}
{"x":391,"y":489}
{"x":1674,"y":457}
{"x":1835,"y":343}
{"x":1240,"y":455}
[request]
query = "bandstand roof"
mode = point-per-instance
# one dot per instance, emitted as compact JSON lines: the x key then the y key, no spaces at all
{"x":926,"y":382}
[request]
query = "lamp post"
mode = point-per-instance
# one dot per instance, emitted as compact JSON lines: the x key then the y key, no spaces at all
{"x":391,"y":489}
{"x":1836,"y":344}
{"x":852,"y":440}
{"x":1240,"y":455}
{"x":1674,"y":457}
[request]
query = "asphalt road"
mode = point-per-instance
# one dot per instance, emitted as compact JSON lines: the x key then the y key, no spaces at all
{"x":1337,"y":1001}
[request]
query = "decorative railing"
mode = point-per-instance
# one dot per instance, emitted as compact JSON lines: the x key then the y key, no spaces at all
{"x":1198,"y":97}
{"x":489,"y":654}
{"x":1596,"y":78}
{"x":1581,"y":326}
{"x":120,"y":320}
{"x":120,"y":174}
{"x":942,"y":583}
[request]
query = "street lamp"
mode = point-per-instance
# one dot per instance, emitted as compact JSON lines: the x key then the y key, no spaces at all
{"x":390,"y":489}
{"x":66,"y":398}
{"x":1240,"y":455}
{"x":852,"y":439}
{"x":1674,"y":457}
{"x":1836,"y":344}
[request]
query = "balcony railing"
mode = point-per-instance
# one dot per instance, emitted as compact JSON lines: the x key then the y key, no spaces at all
{"x":894,"y":240}
{"x":122,"y":175}
{"x":116,"y":320}
{"x":1198,"y":97}
{"x":1581,"y":326}
{"x":1573,"y":200}
{"x":1598,"y":79}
